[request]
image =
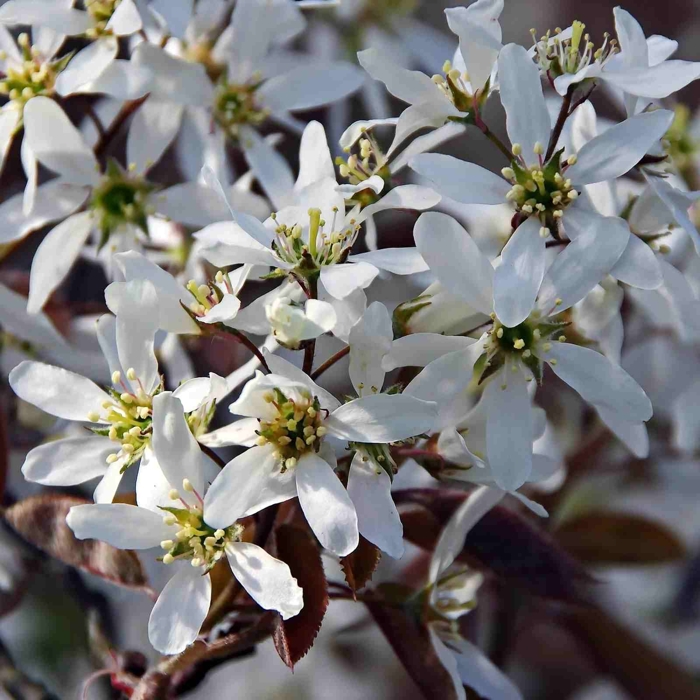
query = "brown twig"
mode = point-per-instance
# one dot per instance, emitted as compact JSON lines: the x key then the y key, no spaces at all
{"x":109,"y":134}
{"x":330,"y":362}
{"x":564,"y":113}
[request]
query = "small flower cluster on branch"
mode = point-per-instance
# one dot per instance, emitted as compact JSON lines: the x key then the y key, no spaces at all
{"x":216,"y":241}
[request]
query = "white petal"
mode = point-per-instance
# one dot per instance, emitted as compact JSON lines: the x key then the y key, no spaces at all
{"x":180,"y":610}
{"x":519,"y":276}
{"x":357,"y":129}
{"x":106,"y":490}
{"x":152,"y":486}
{"x":479,"y":37}
{"x":620,"y":148}
{"x":286,"y":369}
{"x":225,"y":310}
{"x":174,"y":80}
{"x":633,"y":435}
{"x":240,"y":432}
{"x":36,"y":328}
{"x":55,"y":257}
{"x":509,"y":428}
{"x":57,"y":144}
{"x":152,"y":129}
{"x":448,"y":660}
{"x":370,"y":339}
{"x":310,"y":86}
{"x":455,"y":259}
{"x":269,"y":581}
{"x":597,"y":244}
{"x":326,"y":505}
{"x":382,"y":418}
{"x":656,"y":81}
{"x":119,"y":524}
{"x":121,"y":79}
{"x":600,"y":382}
{"x":247,"y":484}
{"x":638,"y":266}
{"x":461,"y":181}
{"x":369,"y":488}
{"x":341,"y":280}
{"x":9,"y":123}
{"x":412,"y":197}
{"x":478,"y":672}
{"x":425,"y":143}
{"x":410,"y":86}
{"x":52,"y":202}
{"x":426,"y":115}
{"x":171,"y":316}
{"x":678,"y":204}
{"x":87,"y":65}
{"x":269,"y":166}
{"x":315,"y":161}
{"x":399,"y":261}
{"x":632,"y":40}
{"x":55,"y":15}
{"x":57,"y":391}
{"x":686,"y":419}
{"x":176,"y":449}
{"x":420,"y":349}
{"x":451,"y":542}
{"x":133,"y":304}
{"x":527,"y":116}
{"x":125,"y":19}
{"x":68,"y":462}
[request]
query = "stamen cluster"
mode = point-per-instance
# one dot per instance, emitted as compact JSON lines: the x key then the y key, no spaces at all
{"x":456,"y":87}
{"x":35,"y":76}
{"x":528,"y":342}
{"x":193,"y":538}
{"x":130,"y":416}
{"x":236,"y":105}
{"x":558,"y":56}
{"x":121,"y":198}
{"x":356,"y":169}
{"x":207,"y":296}
{"x":296,"y":429}
{"x":101,"y":12}
{"x":543,"y":189}
{"x":321,"y":248}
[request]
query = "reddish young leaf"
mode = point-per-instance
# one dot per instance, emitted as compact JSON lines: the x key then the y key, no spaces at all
{"x":294,"y":637}
{"x":503,"y":542}
{"x":601,"y":537}
{"x":411,"y":642}
{"x":360,"y":566}
{"x":41,"y":521}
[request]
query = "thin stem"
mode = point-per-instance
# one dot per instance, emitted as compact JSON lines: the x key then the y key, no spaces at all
{"x":244,"y":340}
{"x":330,"y":362}
{"x":310,"y":349}
{"x":126,"y":111}
{"x":90,"y":111}
{"x":483,"y":127}
{"x":564,"y":113}
{"x":212,"y":455}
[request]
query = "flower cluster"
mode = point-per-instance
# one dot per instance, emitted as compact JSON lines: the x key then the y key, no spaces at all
{"x":452,"y":338}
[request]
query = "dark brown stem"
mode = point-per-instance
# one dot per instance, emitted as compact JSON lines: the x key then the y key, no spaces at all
{"x":94,"y":117}
{"x":212,"y":455}
{"x":244,"y":340}
{"x":483,"y":127}
{"x":310,"y":349}
{"x":109,"y":134}
{"x":564,"y":113}
{"x":330,"y":362}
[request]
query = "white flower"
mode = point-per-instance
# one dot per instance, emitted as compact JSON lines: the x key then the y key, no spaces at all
{"x":116,"y":204}
{"x":640,"y":67}
{"x":293,"y":457}
{"x":95,"y":68}
{"x":462,"y":90}
{"x":453,"y":594}
{"x":232,"y":85}
{"x":510,"y":356}
{"x":121,"y":417}
{"x":183,"y":529}
{"x":545,"y":195}
{"x":292,"y":322}
{"x":312,"y":236}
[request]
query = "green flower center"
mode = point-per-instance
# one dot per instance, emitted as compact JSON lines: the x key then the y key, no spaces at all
{"x":296,"y":429}
{"x":193,"y":539}
{"x":236,"y":105}
{"x":121,"y":199}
